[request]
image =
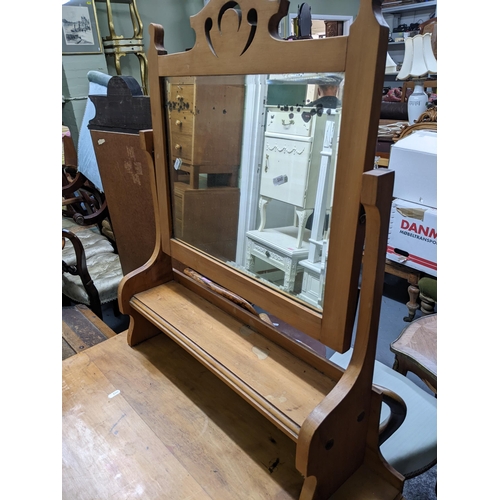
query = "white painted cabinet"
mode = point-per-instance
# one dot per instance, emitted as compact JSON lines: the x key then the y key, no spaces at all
{"x":290,"y":164}
{"x":297,"y":169}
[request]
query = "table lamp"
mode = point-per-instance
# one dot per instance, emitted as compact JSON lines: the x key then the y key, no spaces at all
{"x":418,"y":63}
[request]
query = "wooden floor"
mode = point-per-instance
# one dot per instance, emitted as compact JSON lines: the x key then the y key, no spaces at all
{"x":151,"y":422}
{"x":82,"y":329}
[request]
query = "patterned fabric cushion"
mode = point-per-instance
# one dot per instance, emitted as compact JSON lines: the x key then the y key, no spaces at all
{"x":92,"y":240}
{"x":92,"y":244}
{"x":106,"y":273}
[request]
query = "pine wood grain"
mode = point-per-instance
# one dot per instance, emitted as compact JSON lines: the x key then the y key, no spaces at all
{"x":108,"y":450}
{"x":280,"y":385}
{"x":175,"y":431}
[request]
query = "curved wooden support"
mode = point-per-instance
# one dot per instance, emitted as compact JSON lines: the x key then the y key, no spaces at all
{"x":158,"y":269}
{"x":157,"y":35}
{"x":74,"y":185}
{"x":333,"y":440}
{"x":140,"y":329}
{"x":94,"y":218}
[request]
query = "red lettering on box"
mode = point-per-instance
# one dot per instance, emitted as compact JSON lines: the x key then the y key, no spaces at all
{"x":430,"y":232}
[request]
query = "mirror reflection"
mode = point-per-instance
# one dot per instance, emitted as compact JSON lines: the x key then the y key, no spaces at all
{"x":252,"y":165}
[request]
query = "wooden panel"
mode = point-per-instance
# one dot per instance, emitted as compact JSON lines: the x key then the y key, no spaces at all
{"x":284,"y":388}
{"x":181,"y":147}
{"x":127,"y":181}
{"x":208,"y":219}
{"x":173,"y":427}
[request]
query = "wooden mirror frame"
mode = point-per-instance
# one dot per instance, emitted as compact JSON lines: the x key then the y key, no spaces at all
{"x":361,"y":56}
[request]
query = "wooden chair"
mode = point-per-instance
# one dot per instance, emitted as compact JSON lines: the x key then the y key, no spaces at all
{"x":412,"y":448}
{"x":81,"y":200}
{"x":415,"y":350}
{"x":91,"y":270}
{"x":206,"y":305}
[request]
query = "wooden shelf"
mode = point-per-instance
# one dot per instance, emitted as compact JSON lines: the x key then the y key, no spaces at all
{"x":278,"y":384}
{"x":409,"y":7}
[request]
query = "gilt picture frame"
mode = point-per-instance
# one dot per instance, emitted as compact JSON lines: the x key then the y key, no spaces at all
{"x":80,"y":31}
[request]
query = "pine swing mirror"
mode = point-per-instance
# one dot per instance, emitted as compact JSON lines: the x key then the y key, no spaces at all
{"x":266,"y":205}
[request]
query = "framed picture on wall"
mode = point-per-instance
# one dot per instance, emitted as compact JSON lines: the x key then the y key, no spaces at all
{"x":80,"y":31}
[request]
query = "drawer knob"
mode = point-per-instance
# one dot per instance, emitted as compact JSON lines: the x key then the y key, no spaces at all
{"x":178,"y":123}
{"x":178,"y":146}
{"x":268,"y":254}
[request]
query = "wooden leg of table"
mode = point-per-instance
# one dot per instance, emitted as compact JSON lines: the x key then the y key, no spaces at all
{"x":412,"y":304}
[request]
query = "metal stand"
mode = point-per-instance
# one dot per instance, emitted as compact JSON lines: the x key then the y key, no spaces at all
{"x":119,"y":46}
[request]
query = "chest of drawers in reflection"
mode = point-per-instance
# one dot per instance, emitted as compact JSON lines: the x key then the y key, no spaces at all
{"x":204,"y":124}
{"x":205,"y":117}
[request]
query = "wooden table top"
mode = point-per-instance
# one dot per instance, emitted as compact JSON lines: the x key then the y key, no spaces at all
{"x":152,"y":422}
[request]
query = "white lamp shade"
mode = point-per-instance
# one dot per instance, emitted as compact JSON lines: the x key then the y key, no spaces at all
{"x":419,"y":58}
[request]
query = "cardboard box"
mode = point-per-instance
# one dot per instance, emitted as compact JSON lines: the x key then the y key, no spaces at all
{"x":413,"y":236}
{"x":414,"y":161}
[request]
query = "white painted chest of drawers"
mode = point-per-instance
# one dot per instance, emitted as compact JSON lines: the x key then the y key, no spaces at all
{"x":291,"y":158}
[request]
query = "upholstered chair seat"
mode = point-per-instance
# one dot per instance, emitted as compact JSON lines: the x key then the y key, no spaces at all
{"x":106,"y":273}
{"x":91,"y":269}
{"x":93,"y":242}
{"x":412,"y":449}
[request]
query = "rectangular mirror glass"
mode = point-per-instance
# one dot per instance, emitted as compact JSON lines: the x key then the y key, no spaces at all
{"x":252,"y":166}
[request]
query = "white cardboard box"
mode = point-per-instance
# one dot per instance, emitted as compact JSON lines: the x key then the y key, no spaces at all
{"x":413,"y":236}
{"x":414,"y":161}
